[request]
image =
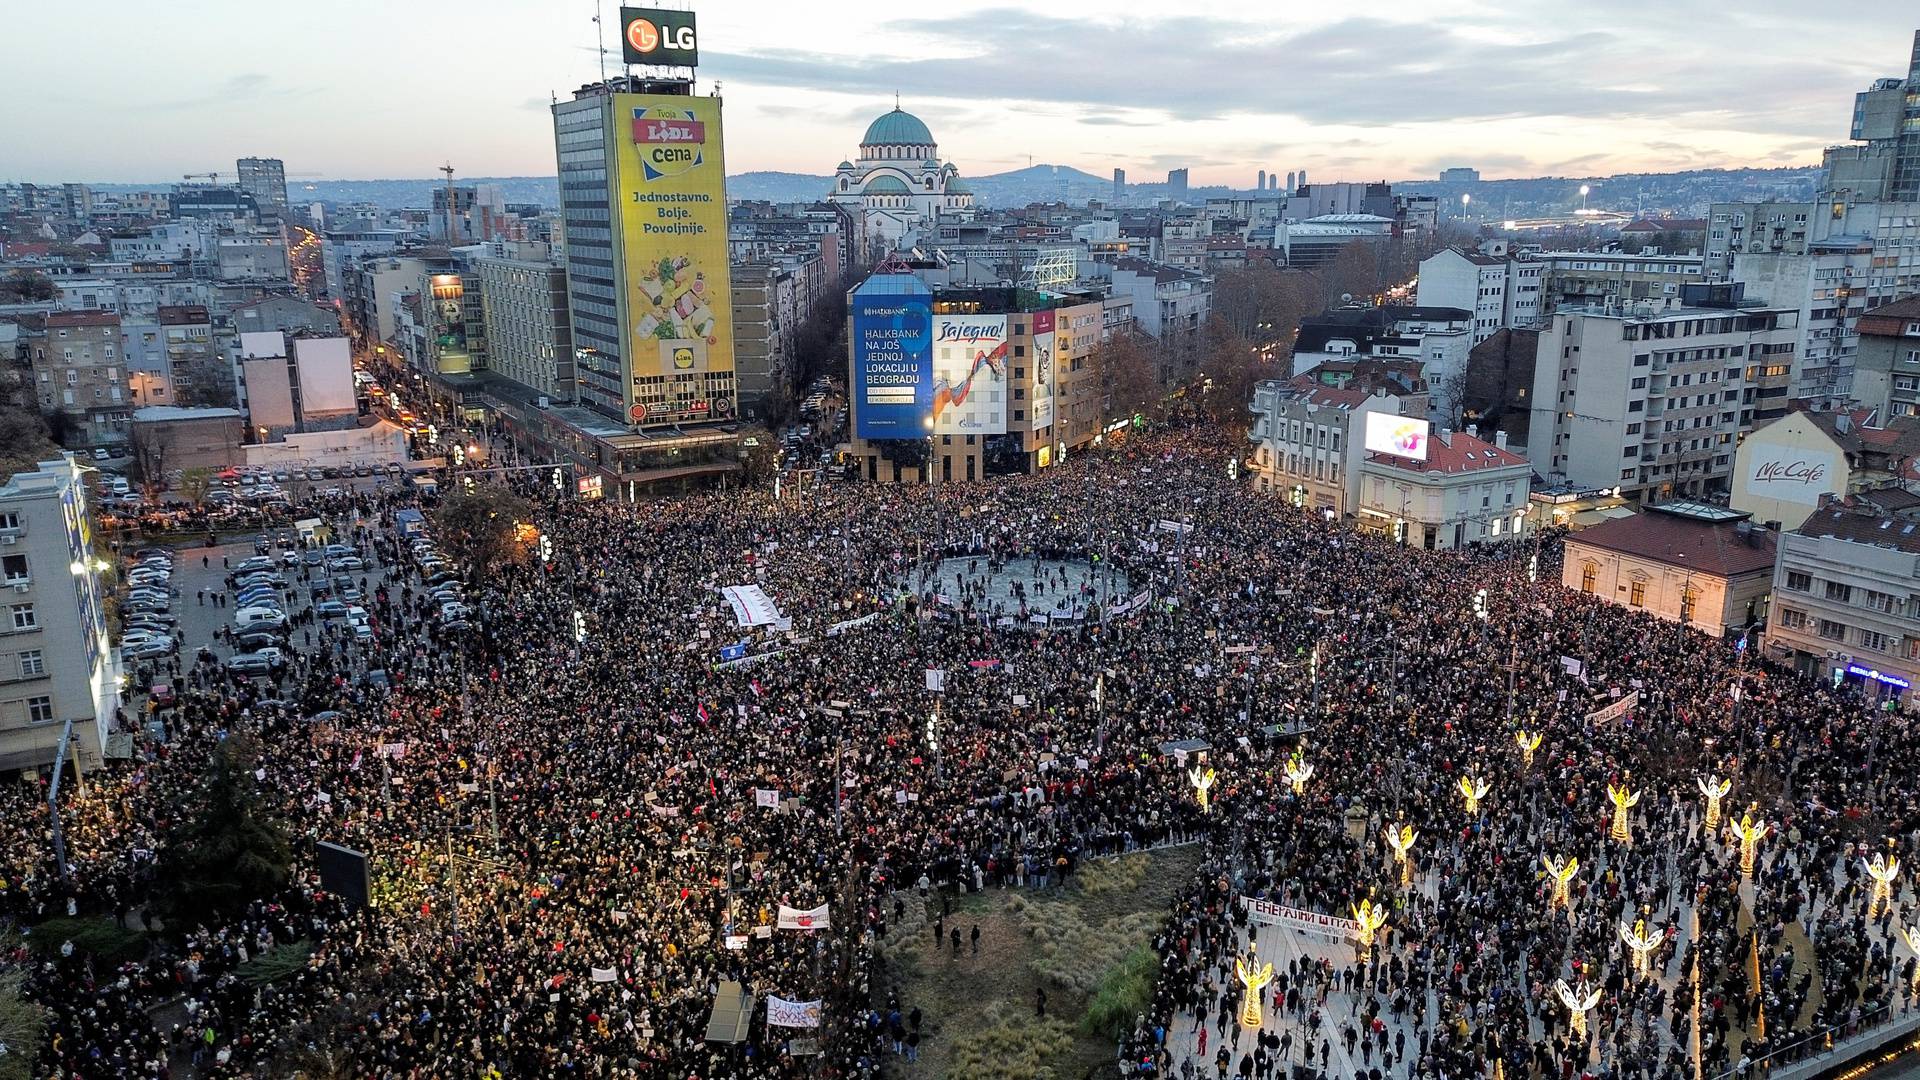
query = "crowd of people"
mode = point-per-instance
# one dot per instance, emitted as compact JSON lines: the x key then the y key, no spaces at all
{"x":577,"y":838}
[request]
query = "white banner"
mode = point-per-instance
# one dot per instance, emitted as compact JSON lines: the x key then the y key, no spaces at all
{"x":842,"y":627}
{"x":601,"y":974}
{"x":1614,"y":711}
{"x":751,"y":605}
{"x":936,"y":679}
{"x":796,"y":1014}
{"x":766,"y":797}
{"x":1268,"y":913}
{"x":394,"y":750}
{"x":814,"y":919}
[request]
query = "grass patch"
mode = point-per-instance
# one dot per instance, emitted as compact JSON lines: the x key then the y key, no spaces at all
{"x":1011,"y":1045}
{"x":276,"y":963}
{"x":98,"y":937}
{"x":1123,"y":994}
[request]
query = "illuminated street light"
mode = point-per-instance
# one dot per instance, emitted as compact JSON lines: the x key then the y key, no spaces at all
{"x":1579,"y":1003}
{"x":1715,"y":789}
{"x":1623,"y":800}
{"x":580,"y":627}
{"x":1642,"y":942}
{"x":1475,"y":790}
{"x":1561,"y":871}
{"x":1528,"y":741}
{"x":1371,"y":919}
{"x":1254,"y":978}
{"x":1883,"y":868}
{"x":1401,"y":839}
{"x":1202,"y":780}
{"x":1750,"y":833}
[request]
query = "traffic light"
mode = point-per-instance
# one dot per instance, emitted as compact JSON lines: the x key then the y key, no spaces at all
{"x":559,"y":479}
{"x":580,"y":627}
{"x":468,"y":480}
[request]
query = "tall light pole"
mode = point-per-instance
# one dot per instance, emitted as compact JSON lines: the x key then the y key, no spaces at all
{"x":1583,"y":198}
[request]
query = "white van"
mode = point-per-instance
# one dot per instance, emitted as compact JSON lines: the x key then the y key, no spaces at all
{"x":249,"y":618}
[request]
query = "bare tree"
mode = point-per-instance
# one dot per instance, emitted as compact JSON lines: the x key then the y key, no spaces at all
{"x":1126,"y":367}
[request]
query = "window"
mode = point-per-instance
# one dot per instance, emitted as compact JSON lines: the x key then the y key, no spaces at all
{"x":1880,"y":601}
{"x":9,"y":521}
{"x":1839,"y":591}
{"x":1793,"y":620}
{"x":13,"y":568}
{"x":32,"y":663}
{"x":1798,"y":581}
{"x":24,"y":618}
{"x":1875,"y":641}
{"x":1587,"y":574}
{"x":1832,"y":631}
{"x":39,"y":710}
{"x":1637,"y":596}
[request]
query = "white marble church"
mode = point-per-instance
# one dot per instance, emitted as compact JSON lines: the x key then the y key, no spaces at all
{"x":898,"y":186}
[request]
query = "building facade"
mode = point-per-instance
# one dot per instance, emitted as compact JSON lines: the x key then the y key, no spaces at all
{"x":56,"y":663}
{"x":1886,"y":372}
{"x":1653,"y":403}
{"x":1467,"y":491}
{"x":1703,"y":566}
{"x":528,"y":333}
{"x":266,"y":180}
{"x":1845,"y":606}
{"x":898,"y":187}
{"x":79,"y":371}
{"x":1307,"y":439}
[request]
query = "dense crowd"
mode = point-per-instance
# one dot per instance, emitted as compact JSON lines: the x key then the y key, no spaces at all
{"x":572,"y":854}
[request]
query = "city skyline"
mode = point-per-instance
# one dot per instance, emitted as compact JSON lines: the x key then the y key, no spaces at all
{"x":1400,"y":94}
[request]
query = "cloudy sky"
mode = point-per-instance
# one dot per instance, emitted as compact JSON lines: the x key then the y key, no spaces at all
{"x":373,"y":88}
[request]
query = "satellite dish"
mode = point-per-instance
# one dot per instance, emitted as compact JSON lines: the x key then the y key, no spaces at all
{"x":1346,"y":298}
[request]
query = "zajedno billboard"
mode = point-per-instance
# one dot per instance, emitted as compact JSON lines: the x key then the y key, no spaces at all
{"x":892,"y":357}
{"x":970,"y":375}
{"x":673,"y":221}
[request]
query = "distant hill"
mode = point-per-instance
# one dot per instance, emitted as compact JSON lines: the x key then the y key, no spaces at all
{"x":1686,"y":192}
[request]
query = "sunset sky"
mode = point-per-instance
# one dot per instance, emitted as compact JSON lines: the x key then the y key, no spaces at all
{"x":363,"y":89}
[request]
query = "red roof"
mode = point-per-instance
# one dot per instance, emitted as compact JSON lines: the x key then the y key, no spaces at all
{"x":58,"y":320}
{"x":1319,"y":394}
{"x":1718,"y":548}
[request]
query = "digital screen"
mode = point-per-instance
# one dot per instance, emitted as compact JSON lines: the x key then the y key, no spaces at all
{"x":1401,"y":436}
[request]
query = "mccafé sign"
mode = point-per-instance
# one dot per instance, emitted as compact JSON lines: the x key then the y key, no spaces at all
{"x":1795,"y":472}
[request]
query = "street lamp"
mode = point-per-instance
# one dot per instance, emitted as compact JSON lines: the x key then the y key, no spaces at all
{"x":927,"y":422}
{"x":1583,"y":197}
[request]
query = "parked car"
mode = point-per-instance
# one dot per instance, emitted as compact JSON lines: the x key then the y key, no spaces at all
{"x":258,"y":663}
{"x":256,"y":641}
{"x":330,"y":609}
{"x":253,"y":617}
{"x":151,"y":648}
{"x":347,"y":562}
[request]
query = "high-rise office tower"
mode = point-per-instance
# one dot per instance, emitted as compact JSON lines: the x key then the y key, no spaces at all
{"x":1177,"y":182}
{"x":1289,"y":182}
{"x":266,"y":180}
{"x":1886,"y":118}
{"x":1119,"y":183}
{"x":644,"y":205}
{"x":1262,"y":185}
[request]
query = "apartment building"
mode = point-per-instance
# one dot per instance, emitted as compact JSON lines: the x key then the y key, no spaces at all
{"x":1466,"y":491}
{"x":56,"y":664}
{"x":1845,"y":603}
{"x":1886,"y":369}
{"x":523,"y":304}
{"x":1654,"y":401}
{"x":1308,"y":438}
{"x":79,"y":372}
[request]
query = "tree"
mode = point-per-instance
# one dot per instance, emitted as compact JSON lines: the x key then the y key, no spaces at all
{"x":757,"y":461}
{"x":22,"y":1024}
{"x":150,"y":460}
{"x":226,"y":852}
{"x":24,"y":441}
{"x":1264,"y":304}
{"x":195,"y":483}
{"x":1126,"y":368}
{"x":1228,"y":370}
{"x":26,"y":286}
{"x":477,"y":527}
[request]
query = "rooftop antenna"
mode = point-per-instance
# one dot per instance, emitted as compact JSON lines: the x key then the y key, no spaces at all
{"x":600,"y":41}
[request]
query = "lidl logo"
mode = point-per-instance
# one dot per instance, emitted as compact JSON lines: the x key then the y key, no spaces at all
{"x":682,"y":359}
{"x":657,"y":36}
{"x":671,"y":141}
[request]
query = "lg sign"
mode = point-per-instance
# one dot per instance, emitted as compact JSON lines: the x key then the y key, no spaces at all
{"x":656,"y":36}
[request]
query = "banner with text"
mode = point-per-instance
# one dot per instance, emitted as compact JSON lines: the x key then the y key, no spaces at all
{"x":1268,"y":913}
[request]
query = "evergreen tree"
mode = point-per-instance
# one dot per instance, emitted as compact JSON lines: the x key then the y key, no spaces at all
{"x":225,"y":852}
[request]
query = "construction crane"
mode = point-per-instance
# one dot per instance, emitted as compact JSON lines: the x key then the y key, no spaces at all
{"x":211,"y":176}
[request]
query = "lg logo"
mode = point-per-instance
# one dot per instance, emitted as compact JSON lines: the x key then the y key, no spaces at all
{"x":644,"y":37}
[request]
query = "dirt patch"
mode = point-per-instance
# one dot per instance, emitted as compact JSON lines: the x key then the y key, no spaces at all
{"x":978,"y":1009}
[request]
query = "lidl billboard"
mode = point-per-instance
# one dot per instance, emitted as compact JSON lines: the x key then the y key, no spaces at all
{"x":673,"y":221}
{"x":892,"y":357}
{"x":970,"y":374}
{"x":658,"y":36}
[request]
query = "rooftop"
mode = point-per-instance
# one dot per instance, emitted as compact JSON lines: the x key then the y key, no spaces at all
{"x":1453,"y":454}
{"x":1857,"y":528}
{"x":1721,"y":548}
{"x":59,"y":320}
{"x":155,"y":413}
